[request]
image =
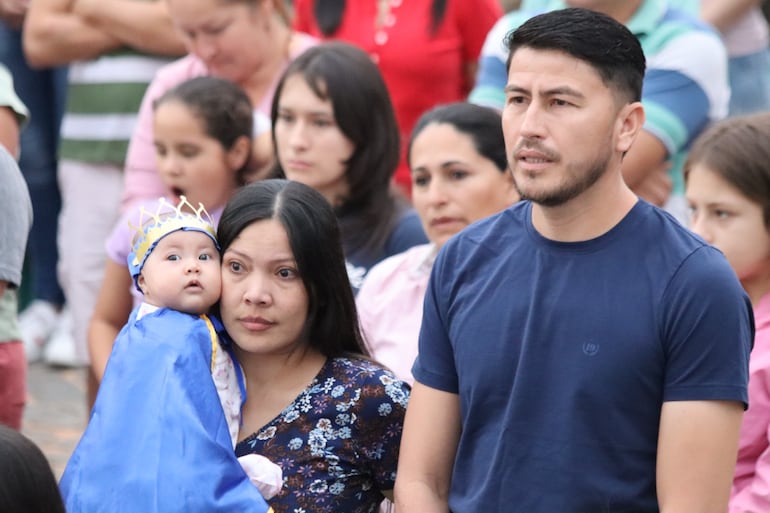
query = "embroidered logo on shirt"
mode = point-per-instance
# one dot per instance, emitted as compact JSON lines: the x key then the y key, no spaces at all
{"x":590,"y":348}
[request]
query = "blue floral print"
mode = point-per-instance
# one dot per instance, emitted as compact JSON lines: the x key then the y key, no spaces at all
{"x":337,"y":443}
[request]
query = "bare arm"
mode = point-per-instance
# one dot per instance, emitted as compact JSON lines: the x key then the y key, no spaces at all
{"x":113,"y":307}
{"x":12,"y":12}
{"x":645,"y":169}
{"x":9,"y":131}
{"x":724,"y":13}
{"x":144,"y":26}
{"x":697,"y":449}
{"x":428,"y":446}
{"x":54,"y":35}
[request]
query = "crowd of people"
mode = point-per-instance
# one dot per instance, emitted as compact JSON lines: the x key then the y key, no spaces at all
{"x":411,"y":255}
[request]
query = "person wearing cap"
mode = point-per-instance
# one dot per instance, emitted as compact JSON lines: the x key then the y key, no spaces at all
{"x":161,"y":435}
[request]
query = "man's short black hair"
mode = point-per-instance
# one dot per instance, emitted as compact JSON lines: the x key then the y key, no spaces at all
{"x":595,"y":38}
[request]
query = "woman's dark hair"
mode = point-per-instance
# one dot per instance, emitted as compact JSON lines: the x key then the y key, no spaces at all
{"x":311,"y":226}
{"x":738,"y":150}
{"x":328,"y":15}
{"x":27,"y":483}
{"x":592,"y":37}
{"x":345,"y":75}
{"x":483,"y":125}
{"x":225,"y":109}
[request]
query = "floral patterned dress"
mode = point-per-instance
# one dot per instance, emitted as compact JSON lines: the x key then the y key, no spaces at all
{"x":338,"y":442}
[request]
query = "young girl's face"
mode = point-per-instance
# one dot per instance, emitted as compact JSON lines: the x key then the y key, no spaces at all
{"x":730,"y":221}
{"x":182,"y":273}
{"x":189,"y":161}
{"x":311,"y":147}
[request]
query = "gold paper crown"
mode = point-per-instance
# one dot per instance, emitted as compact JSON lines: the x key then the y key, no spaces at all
{"x":166,"y":219}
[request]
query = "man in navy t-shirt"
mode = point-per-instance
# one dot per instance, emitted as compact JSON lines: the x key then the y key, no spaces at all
{"x":580,"y":352}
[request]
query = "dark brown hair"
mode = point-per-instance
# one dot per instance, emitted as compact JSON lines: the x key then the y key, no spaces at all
{"x":738,"y":150}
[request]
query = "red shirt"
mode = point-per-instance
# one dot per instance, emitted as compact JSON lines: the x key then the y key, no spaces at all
{"x":421,"y":69}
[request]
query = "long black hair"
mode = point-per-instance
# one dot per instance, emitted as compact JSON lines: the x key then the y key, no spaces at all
{"x":328,"y":14}
{"x":345,"y":75}
{"x":331,"y":326}
{"x":27,"y":483}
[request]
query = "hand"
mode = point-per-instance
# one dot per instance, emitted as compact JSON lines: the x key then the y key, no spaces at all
{"x":12,"y":12}
{"x":656,"y":186}
{"x":263,"y":473}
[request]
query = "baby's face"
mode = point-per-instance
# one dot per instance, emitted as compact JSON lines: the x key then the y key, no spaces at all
{"x":182,"y":273}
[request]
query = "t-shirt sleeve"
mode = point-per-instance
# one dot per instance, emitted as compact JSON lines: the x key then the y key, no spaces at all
{"x":708,"y":331}
{"x":383,"y":406}
{"x":685,"y":87}
{"x":492,"y":75}
{"x":435,"y":364}
{"x":9,"y":98}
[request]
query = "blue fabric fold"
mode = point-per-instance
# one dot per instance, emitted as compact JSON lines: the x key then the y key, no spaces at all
{"x":157,"y":440}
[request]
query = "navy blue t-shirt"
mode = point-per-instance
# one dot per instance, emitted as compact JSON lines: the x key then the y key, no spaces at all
{"x":563,"y":353}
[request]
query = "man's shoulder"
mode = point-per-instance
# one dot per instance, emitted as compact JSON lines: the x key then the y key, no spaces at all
{"x":659,"y":225}
{"x":497,"y":236}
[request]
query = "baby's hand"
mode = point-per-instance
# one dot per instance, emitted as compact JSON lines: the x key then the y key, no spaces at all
{"x":263,"y":473}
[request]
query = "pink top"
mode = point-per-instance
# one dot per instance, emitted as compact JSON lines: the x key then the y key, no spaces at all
{"x":390,"y":307}
{"x":141,"y":178}
{"x":751,"y":486}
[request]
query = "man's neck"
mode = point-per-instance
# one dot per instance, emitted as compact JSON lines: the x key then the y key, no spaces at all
{"x":592,"y":214}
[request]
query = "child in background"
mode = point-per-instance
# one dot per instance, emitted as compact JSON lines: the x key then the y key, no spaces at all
{"x":158,"y":440}
{"x":202,"y":134}
{"x":727,"y":178}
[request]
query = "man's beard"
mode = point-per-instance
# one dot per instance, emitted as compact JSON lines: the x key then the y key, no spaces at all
{"x":577,"y":184}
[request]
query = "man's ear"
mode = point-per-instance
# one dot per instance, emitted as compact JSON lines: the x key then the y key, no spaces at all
{"x":629,"y":123}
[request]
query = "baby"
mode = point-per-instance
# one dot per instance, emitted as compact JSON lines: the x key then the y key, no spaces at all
{"x":157,"y":440}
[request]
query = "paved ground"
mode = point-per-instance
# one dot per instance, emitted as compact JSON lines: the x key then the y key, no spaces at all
{"x":55,"y":415}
